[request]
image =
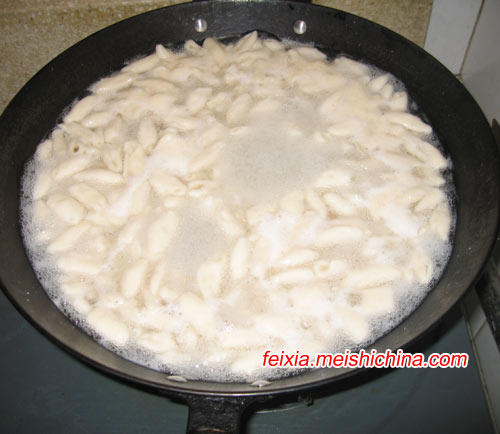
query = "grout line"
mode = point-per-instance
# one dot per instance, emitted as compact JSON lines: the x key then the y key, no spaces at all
{"x":484,"y":387}
{"x":485,"y":321}
{"x":426,"y":31}
{"x":468,"y":312}
{"x":468,"y":323}
{"x":478,"y":16}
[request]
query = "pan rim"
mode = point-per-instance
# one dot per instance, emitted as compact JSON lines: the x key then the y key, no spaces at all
{"x":183,"y":387}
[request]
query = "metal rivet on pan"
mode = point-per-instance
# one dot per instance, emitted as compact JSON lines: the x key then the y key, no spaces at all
{"x":200,"y":25}
{"x":300,"y":27}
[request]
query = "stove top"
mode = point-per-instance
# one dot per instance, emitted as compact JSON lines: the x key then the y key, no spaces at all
{"x":45,"y":390}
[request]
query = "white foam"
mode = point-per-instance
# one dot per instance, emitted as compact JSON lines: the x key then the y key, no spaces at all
{"x":270,"y":159}
{"x":275,"y":154}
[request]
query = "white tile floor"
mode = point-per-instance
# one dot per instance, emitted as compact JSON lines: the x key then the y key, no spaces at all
{"x":487,"y":353}
{"x":474,"y":313}
{"x":481,"y":69}
{"x":454,"y":42}
{"x":451,"y":20}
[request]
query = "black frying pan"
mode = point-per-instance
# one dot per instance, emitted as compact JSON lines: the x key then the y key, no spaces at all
{"x":455,"y":117}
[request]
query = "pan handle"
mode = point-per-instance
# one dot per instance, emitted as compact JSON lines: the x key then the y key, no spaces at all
{"x":208,"y":414}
